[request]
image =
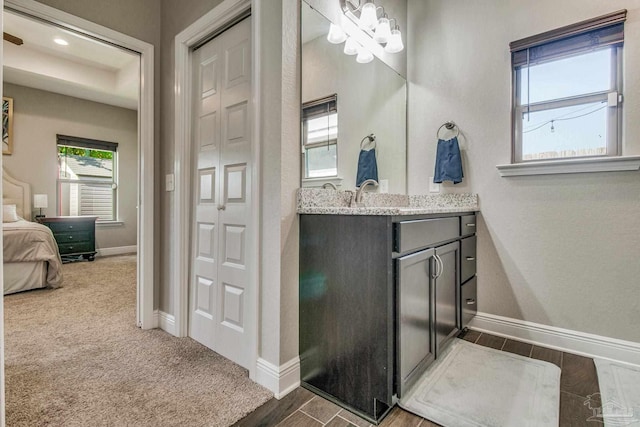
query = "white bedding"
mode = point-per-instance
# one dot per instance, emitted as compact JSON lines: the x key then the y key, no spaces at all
{"x":29,"y":242}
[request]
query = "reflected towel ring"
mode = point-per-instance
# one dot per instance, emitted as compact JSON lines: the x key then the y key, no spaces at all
{"x":449,"y":126}
{"x":372,"y":140}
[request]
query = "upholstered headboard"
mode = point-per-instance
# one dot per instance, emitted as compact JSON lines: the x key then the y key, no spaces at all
{"x":16,"y":193}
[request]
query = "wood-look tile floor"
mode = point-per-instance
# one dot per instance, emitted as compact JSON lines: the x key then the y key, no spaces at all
{"x":302,"y":408}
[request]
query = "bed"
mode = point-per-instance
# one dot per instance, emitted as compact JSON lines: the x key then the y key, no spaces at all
{"x":31,"y":257}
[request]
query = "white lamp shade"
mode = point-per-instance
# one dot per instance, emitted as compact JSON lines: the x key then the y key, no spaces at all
{"x":383,"y":31}
{"x":368,"y":16}
{"x":40,"y":201}
{"x":351,"y":46}
{"x":336,"y":34}
{"x":364,"y":56}
{"x":394,"y":44}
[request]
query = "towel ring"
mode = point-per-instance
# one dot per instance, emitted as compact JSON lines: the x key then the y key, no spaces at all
{"x":449,"y":126}
{"x":372,"y":140}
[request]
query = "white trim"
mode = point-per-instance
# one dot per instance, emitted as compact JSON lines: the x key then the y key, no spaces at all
{"x":164,"y":321}
{"x":582,"y":343}
{"x":281,"y":380}
{"x":600,"y":164}
{"x":215,"y":19}
{"x":118,"y":250}
{"x":145,"y":218}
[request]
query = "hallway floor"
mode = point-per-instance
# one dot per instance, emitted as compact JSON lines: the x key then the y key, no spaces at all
{"x":302,"y":408}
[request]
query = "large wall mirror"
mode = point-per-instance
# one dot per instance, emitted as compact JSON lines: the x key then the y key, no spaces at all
{"x":343,"y":102}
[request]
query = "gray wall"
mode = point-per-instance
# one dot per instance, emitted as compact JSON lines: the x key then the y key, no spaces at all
{"x":560,"y":250}
{"x":39,"y":116}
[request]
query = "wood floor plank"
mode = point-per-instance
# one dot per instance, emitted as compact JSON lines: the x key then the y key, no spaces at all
{"x":401,"y":418}
{"x":548,"y":355}
{"x":579,"y":375}
{"x":574,"y":412}
{"x":299,"y":419}
{"x":274,"y":411}
{"x":517,"y":347}
{"x":492,"y":341}
{"x":338,"y":421}
{"x":354,"y":419}
{"x":470,"y":336}
{"x":321,"y":409}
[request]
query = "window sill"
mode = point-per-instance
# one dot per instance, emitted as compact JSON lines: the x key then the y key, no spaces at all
{"x":553,"y":167}
{"x":106,"y":224}
{"x":319,"y":182}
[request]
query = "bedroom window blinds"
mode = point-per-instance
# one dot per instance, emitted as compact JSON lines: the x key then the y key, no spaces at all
{"x":87,"y":177}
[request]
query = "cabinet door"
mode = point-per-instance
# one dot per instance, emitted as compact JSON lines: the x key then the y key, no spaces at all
{"x":446,"y":284}
{"x":414,"y":317}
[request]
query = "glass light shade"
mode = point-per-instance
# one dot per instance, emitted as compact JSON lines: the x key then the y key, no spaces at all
{"x":394,"y":44}
{"x":368,"y":16}
{"x":336,"y":34}
{"x":351,"y":46}
{"x":364,"y":56}
{"x":383,"y":31}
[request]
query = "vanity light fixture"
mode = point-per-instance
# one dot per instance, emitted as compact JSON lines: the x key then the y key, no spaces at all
{"x":394,"y":44}
{"x":364,"y":56}
{"x":351,"y":46}
{"x":368,"y":15}
{"x":336,"y":34}
{"x":61,"y":42}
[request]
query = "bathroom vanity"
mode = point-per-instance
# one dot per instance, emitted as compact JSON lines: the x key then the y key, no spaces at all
{"x":383,"y":290}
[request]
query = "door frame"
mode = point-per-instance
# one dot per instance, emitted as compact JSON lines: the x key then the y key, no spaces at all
{"x":145,"y":216}
{"x":201,"y":30}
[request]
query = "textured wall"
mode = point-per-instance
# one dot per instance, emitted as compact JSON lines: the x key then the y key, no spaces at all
{"x":39,"y":116}
{"x":560,"y":250}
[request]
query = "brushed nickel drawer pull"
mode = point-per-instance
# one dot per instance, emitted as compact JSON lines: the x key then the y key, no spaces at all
{"x":471,"y":258}
{"x":471,"y":224}
{"x":471,"y":301}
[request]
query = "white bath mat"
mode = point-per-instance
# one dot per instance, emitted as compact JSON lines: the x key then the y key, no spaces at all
{"x":474,"y":386}
{"x":619,"y":403}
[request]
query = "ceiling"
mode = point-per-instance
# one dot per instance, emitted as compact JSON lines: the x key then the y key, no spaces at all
{"x":85,"y":68}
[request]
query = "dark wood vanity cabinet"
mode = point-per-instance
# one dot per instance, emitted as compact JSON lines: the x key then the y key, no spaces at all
{"x":379,"y":299}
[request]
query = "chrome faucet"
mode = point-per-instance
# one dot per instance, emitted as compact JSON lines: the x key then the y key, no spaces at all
{"x":357,"y":199}
{"x":329,"y":185}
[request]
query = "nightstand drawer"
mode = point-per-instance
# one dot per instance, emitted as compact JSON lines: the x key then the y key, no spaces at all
{"x":72,"y":248}
{"x":73,"y":236}
{"x":64,"y":226}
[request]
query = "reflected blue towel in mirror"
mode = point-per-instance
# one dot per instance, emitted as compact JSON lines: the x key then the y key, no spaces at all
{"x":367,"y":166}
{"x":448,"y":162}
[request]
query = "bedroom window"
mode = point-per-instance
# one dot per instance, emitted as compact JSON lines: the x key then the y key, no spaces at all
{"x":87,"y":171}
{"x":320,"y":138}
{"x":567,"y":86}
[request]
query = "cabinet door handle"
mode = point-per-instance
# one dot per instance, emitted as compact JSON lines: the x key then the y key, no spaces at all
{"x":471,"y":258}
{"x":439,"y":267}
{"x":70,"y":237}
{"x":471,"y":224}
{"x":221,"y":207}
{"x":436,"y":273}
{"x":471,"y":301}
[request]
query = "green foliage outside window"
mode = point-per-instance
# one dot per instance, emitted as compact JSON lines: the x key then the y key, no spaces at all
{"x":85,"y":152}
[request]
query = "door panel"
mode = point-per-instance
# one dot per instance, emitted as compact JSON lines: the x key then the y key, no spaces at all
{"x":223,"y":202}
{"x":445,"y":295}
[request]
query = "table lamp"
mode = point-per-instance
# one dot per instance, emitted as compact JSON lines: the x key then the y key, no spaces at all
{"x":40,"y":201}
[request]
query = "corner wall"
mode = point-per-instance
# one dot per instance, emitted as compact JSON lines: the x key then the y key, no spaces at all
{"x":559,"y":250}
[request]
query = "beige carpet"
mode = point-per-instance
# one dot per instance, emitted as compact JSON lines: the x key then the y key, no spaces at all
{"x":75,"y":358}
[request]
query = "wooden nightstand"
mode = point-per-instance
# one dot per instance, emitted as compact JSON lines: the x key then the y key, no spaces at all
{"x":75,"y":235}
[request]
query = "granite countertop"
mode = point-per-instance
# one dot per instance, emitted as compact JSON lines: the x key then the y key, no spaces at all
{"x":332,"y":202}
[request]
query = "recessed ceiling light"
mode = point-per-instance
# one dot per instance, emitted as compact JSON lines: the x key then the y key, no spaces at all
{"x":61,"y":42}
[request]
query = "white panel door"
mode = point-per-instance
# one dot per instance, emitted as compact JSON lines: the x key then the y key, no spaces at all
{"x":221,"y":288}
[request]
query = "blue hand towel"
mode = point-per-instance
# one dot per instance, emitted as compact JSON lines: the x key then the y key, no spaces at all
{"x":367,"y":166}
{"x":448,"y":162}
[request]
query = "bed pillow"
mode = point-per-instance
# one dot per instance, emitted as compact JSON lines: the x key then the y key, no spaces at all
{"x":9,"y":213}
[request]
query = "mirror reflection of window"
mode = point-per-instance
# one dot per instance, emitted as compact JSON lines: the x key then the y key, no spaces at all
{"x":320,"y":138}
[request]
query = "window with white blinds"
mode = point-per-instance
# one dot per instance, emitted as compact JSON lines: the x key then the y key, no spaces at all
{"x":87,"y":177}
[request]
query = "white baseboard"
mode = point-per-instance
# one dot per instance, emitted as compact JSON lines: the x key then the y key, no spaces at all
{"x":281,"y":380}
{"x":557,"y":338}
{"x":120,"y":250}
{"x":164,"y":321}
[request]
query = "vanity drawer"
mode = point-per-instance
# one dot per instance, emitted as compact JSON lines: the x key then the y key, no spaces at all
{"x":468,"y":301}
{"x":422,"y":233}
{"x":467,"y":224}
{"x":468,"y":258}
